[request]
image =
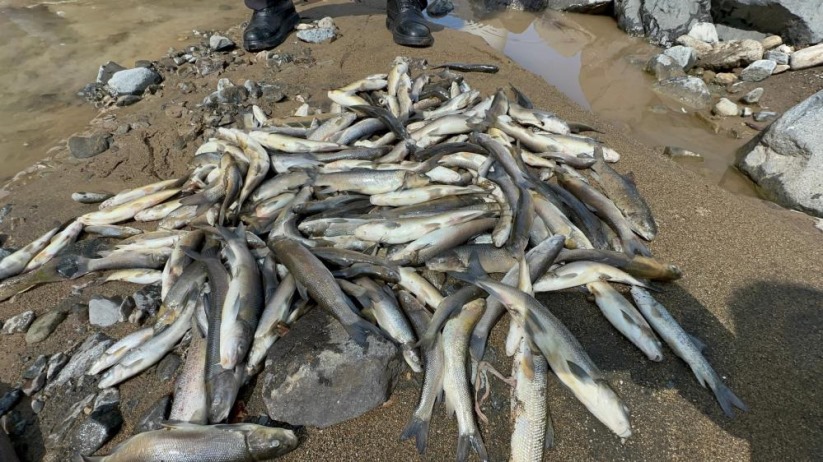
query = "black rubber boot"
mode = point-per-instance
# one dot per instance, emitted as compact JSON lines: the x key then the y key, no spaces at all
{"x":404,"y":18}
{"x":270,"y":26}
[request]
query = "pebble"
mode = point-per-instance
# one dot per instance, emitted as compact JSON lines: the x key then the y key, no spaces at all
{"x":746,"y":112}
{"x":685,"y":57}
{"x":326,"y":22}
{"x":771,"y":41}
{"x":10,"y":399}
{"x":725,"y":78}
{"x":317,"y":35}
{"x":44,"y":326}
{"x":777,"y":56}
{"x":154,"y":416}
{"x":132,"y":81}
{"x":704,"y":31}
{"x":207,"y":66}
{"x":84,"y":147}
{"x":753,"y":96}
{"x":105,"y":312}
{"x":663,"y":67}
{"x":107,"y":70}
{"x":763,"y":116}
{"x":724,"y":107}
{"x":168,"y":367}
{"x":220,"y":43}
{"x":37,"y":405}
{"x":37,"y":367}
{"x":700,"y":47}
{"x":807,"y":57}
{"x":253,"y":88}
{"x":758,"y":70}
{"x":18,"y":323}
{"x":147,"y":299}
{"x":127,"y":100}
{"x":34,"y":385}
{"x":736,"y":87}
{"x":781,"y":68}
{"x":788,"y":49}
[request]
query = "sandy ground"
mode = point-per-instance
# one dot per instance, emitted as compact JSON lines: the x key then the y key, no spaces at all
{"x":752,"y":290}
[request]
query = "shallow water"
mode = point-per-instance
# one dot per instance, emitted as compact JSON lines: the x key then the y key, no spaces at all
{"x":594,"y":63}
{"x":54,"y":48}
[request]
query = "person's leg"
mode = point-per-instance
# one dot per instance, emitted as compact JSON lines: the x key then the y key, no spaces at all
{"x":270,"y":23}
{"x":404,"y":18}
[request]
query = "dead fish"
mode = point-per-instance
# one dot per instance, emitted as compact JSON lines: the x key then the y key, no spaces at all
{"x":90,"y":197}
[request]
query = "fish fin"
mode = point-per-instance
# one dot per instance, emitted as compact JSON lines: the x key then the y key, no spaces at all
{"x":359,"y":331}
{"x":577,"y":127}
{"x":476,"y":442}
{"x":579,"y":372}
{"x":419,"y":430}
{"x":628,"y":318}
{"x":727,"y":399}
{"x":174,"y":425}
{"x":698,"y":343}
{"x":477,"y":345}
{"x":302,"y":291}
{"x":629,"y":176}
{"x":548,"y":441}
{"x":196,"y":199}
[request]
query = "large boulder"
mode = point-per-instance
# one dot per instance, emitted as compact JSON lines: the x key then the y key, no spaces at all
{"x":799,"y":22}
{"x":580,"y":6}
{"x":317,"y":376}
{"x":786,"y":159}
{"x":661,"y":20}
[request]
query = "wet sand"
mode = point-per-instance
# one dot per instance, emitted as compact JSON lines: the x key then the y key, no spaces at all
{"x":752,"y":290}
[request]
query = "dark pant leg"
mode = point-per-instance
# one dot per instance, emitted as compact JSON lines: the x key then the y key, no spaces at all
{"x":260,"y":4}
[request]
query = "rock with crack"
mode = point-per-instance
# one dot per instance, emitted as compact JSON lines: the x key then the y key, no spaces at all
{"x":797,"y":21}
{"x":317,"y":376}
{"x":728,"y":55}
{"x":580,"y":6}
{"x":661,"y":20}
{"x":786,"y":159}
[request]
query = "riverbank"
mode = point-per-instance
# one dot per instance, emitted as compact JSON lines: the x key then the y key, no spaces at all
{"x":751,"y":290}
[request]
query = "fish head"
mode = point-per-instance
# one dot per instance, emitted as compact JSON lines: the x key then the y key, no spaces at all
{"x":266,"y":443}
{"x":413,"y":359}
{"x":611,"y":410}
{"x":415,"y":180}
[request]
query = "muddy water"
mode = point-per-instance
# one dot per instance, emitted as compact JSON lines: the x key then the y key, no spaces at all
{"x":52,"y":49}
{"x":599,"y":67}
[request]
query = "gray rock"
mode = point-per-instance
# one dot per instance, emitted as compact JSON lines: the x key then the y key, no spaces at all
{"x":5,"y":253}
{"x":318,"y":376}
{"x":220,"y":43}
{"x":86,"y":354}
{"x":664,"y":67}
{"x":57,"y":362}
{"x":727,"y":33}
{"x":34,"y":385}
{"x":777,"y":56}
{"x":232,"y":95}
{"x":44,"y":326}
{"x":780,"y":68}
{"x":746,"y":112}
{"x":317,"y":34}
{"x":154,"y":416}
{"x":758,"y":70}
{"x":207,"y":66}
{"x":771,"y":41}
{"x":797,"y":21}
{"x":148,"y":299}
{"x":726,"y":108}
{"x":704,"y":31}
{"x":661,"y":20}
{"x":690,"y":91}
{"x":101,"y":425}
{"x":37,"y":405}
{"x":764,"y":116}
{"x":168,"y":367}
{"x":253,"y":88}
{"x":753,"y":96}
{"x":786,"y":159}
{"x":84,"y":147}
{"x":807,"y":57}
{"x":60,"y":431}
{"x":10,"y":399}
{"x":580,"y":6}
{"x":18,"y":323}
{"x":132,"y":81}
{"x":685,"y":57}
{"x":104,"y":312}
{"x":728,"y":55}
{"x":107,"y":70}
{"x":37,"y":367}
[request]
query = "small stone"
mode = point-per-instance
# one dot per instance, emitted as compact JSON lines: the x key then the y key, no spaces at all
{"x":771,"y":41}
{"x":10,"y":399}
{"x":207,"y":66}
{"x":104,"y":312}
{"x":101,"y":425}
{"x":84,"y":147}
{"x":685,"y":57}
{"x":132,"y":81}
{"x":253,"y":88}
{"x":144,"y":63}
{"x":122,"y":129}
{"x":220,"y":43}
{"x":788,"y":49}
{"x":677,"y":152}
{"x":317,"y":35}
{"x":19,"y":323}
{"x":708,"y":76}
{"x":148,"y":299}
{"x":753,"y":96}
{"x":107,"y":70}
{"x":807,"y":57}
{"x":704,"y":31}
{"x":37,"y":405}
{"x":326,"y":22}
{"x":724,"y":107}
{"x":127,"y":100}
{"x":781,"y":68}
{"x":37,"y":367}
{"x":154,"y":416}
{"x":763,"y":116}
{"x":43,"y":326}
{"x":758,"y":70}
{"x":56,"y":363}
{"x":34,"y":385}
{"x":725,"y":78}
{"x":777,"y":56}
{"x":746,"y":112}
{"x":690,"y":91}
{"x":185,"y":87}
{"x":232,"y":95}
{"x":736,"y":87}
{"x":700,"y":47}
{"x":168,"y":367}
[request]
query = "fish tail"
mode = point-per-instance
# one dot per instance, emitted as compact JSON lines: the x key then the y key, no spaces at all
{"x":727,"y":399}
{"x":196,"y":199}
{"x":476,"y":442}
{"x":473,"y":273}
{"x":418,"y":429}
{"x":477,"y":344}
{"x":360,"y":330}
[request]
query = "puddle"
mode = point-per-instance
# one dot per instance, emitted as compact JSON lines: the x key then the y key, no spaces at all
{"x":53,"y":48}
{"x":595,"y":64}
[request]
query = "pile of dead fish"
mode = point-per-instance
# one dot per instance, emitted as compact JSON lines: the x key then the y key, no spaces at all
{"x":365,"y":211}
